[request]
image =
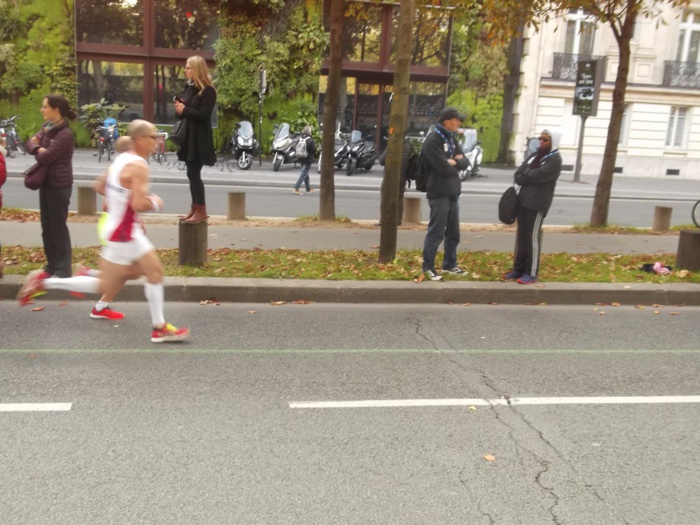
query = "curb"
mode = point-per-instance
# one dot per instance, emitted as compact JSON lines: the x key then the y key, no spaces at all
{"x":242,"y":290}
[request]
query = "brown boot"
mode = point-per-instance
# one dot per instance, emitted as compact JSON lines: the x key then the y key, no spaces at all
{"x":199,"y":215}
{"x":185,"y":217}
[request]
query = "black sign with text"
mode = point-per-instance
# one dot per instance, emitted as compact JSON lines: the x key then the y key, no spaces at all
{"x":587,"y":90}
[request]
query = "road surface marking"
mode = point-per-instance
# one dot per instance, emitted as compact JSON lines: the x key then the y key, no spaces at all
{"x":401,"y":403}
{"x":35,"y":407}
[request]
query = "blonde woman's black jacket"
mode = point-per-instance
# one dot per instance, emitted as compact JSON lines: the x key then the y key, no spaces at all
{"x":443,"y":179}
{"x":537,"y":184}
{"x":199,"y":141}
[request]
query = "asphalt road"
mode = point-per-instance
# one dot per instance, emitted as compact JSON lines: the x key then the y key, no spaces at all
{"x":212,"y":431}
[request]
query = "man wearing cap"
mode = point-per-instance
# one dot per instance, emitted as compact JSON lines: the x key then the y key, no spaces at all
{"x":443,"y":159}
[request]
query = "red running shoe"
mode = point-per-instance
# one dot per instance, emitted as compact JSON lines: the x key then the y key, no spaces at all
{"x":33,"y":286}
{"x":106,"y":313}
{"x":169,"y":333}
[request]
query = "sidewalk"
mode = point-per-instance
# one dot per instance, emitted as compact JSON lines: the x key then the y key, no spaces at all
{"x":239,"y":236}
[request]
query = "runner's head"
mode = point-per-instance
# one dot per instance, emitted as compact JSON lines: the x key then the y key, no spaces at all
{"x":123,"y":144}
{"x":144,"y":136}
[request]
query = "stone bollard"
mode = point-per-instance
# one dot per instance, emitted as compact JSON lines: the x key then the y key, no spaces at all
{"x":193,"y":243}
{"x":411,"y":209}
{"x":662,"y":219}
{"x":236,"y":206}
{"x":87,"y":201}
{"x":688,"y":255}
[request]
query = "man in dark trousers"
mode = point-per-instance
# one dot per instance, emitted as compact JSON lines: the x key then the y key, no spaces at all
{"x":443,"y":159}
{"x":306,"y":161}
{"x":405,"y":156}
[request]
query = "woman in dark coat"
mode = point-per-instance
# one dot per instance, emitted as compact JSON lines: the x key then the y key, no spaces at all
{"x":196,"y":106}
{"x":53,"y":148}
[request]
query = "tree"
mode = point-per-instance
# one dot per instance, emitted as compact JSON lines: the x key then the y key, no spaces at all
{"x":397,"y":129}
{"x":330,"y":108}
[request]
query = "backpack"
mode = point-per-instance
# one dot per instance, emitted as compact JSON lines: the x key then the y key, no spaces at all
{"x":416,"y":171}
{"x":300,"y":148}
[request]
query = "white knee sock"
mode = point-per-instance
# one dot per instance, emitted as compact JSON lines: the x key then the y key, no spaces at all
{"x":155,"y":295}
{"x":82,"y":284}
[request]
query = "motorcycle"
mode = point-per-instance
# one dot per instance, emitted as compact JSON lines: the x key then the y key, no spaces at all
{"x":107,"y":134}
{"x":283,"y":146}
{"x":472,"y":151}
{"x":362,"y":153}
{"x":8,"y":130}
{"x":341,"y":151}
{"x":244,"y":145}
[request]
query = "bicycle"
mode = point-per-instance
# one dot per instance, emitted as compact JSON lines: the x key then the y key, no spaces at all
{"x":696,"y":214}
{"x":12,"y":140}
{"x":161,"y":153}
{"x":105,"y":142}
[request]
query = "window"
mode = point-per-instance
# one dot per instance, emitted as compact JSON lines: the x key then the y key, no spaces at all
{"x":579,"y":33}
{"x":113,"y":82}
{"x":689,"y":40}
{"x":676,"y":127}
{"x":109,"y":22}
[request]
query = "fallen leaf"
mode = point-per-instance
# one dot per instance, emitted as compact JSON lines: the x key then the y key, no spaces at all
{"x":278,"y":303}
{"x":38,"y":309}
{"x":420,"y":278}
{"x":472,"y":407}
{"x":302,"y":301}
{"x":490,"y":457}
{"x":683,"y":274}
{"x":466,"y":304}
{"x":251,"y":311}
{"x":639,"y":306}
{"x":493,"y":303}
{"x":658,"y":305}
{"x":656,"y":312}
{"x":601,"y":304}
{"x":374,"y":246}
{"x":601,"y":312}
{"x":63,"y":303}
{"x":614,"y":304}
{"x":673,"y":313}
{"x":627,"y":286}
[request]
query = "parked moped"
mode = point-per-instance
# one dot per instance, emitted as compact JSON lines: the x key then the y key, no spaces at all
{"x":244,"y":145}
{"x":341,"y":150}
{"x":8,"y":130}
{"x":472,"y":151}
{"x":283,"y":146}
{"x":362,"y":153}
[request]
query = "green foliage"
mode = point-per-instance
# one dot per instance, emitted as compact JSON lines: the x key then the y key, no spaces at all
{"x":483,"y":114}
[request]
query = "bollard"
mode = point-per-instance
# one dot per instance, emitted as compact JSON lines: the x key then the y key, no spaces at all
{"x":662,"y":219}
{"x":87,"y":201}
{"x":411,"y":209}
{"x":236,"y":206}
{"x":688,"y":255}
{"x":193,"y":244}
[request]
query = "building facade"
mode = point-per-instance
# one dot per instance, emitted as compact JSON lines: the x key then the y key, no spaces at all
{"x":660,"y":134}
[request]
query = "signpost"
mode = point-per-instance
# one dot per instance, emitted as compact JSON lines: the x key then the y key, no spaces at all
{"x":263,"y":89}
{"x":586,"y":94}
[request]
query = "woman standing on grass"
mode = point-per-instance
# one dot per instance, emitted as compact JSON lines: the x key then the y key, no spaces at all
{"x":196,"y":105}
{"x":53,"y":148}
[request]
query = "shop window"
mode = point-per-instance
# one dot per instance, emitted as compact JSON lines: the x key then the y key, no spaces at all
{"x":109,"y":22}
{"x":112,"y":83}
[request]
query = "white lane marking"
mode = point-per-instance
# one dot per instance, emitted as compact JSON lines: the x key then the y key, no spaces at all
{"x":35,"y":407}
{"x":402,"y":403}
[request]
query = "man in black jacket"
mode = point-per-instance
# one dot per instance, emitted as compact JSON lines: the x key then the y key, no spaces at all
{"x":537,"y":176}
{"x":443,"y":159}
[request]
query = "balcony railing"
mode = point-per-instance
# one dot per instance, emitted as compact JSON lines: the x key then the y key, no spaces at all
{"x":681,"y":74}
{"x":565,"y":65}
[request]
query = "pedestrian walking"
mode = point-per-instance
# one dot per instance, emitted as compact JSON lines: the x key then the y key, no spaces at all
{"x":53,"y":149}
{"x":196,"y":105}
{"x":126,"y":245}
{"x":443,"y":159}
{"x":306,"y":161}
{"x":406,"y":151}
{"x":537,"y":177}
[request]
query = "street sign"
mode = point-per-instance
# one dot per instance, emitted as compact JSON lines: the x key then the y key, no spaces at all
{"x":587,"y":88}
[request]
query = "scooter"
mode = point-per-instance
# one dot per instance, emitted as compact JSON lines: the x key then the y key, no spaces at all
{"x":473,"y":153}
{"x":283,"y":146}
{"x":341,"y":151}
{"x":244,"y":145}
{"x":362,"y":153}
{"x":108,"y":133}
{"x":8,"y":130}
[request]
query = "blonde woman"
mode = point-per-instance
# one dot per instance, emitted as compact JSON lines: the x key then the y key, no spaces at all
{"x":195,"y":105}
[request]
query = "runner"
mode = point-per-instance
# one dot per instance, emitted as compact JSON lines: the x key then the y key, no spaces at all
{"x":126,"y":245}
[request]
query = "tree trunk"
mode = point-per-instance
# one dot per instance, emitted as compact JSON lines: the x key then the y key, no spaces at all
{"x":397,"y":129}
{"x":601,"y":201}
{"x":512,"y":81}
{"x":330,"y":109}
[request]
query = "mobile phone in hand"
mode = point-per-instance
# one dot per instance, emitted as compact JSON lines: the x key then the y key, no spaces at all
{"x":179,"y":99}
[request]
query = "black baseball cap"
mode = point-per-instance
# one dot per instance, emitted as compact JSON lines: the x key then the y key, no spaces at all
{"x":450,"y":113}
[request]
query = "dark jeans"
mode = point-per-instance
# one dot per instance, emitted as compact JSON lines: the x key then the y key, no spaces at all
{"x":194,"y":174}
{"x":528,"y":242}
{"x":303,"y":177}
{"x":53,"y":205}
{"x":443,"y":225}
